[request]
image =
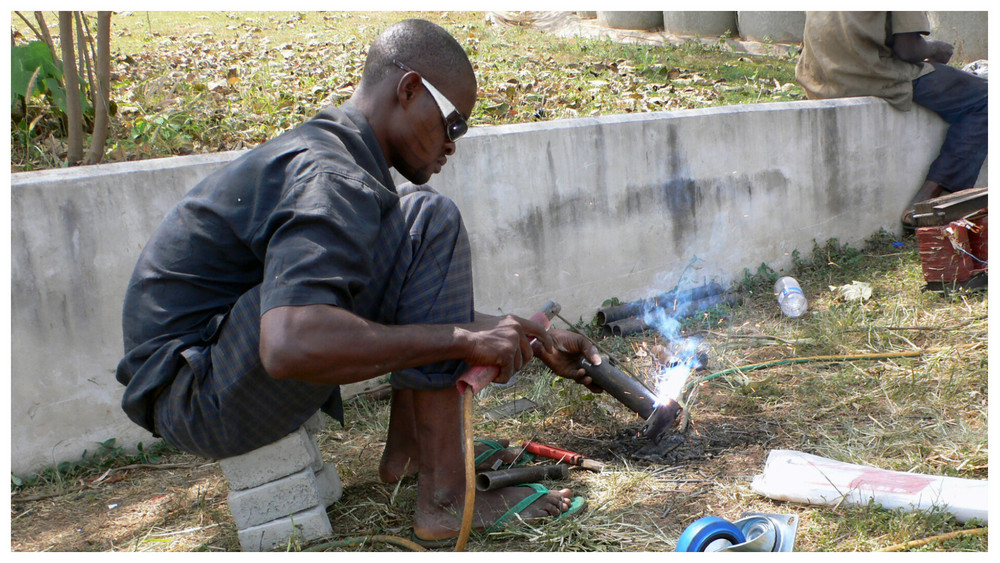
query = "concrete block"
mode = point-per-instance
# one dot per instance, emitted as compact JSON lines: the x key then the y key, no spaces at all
{"x":316,"y":423}
{"x":329,"y":485}
{"x":968,"y":32}
{"x":779,"y":27}
{"x":278,"y":499}
{"x":701,"y":24}
{"x":289,"y":455}
{"x":304,"y":526}
{"x":630,"y":20}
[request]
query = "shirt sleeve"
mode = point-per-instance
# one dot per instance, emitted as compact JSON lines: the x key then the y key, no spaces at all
{"x":910,"y":22}
{"x":321,"y":246}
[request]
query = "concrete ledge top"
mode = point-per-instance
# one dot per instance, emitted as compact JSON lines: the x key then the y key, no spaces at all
{"x":113,"y":168}
{"x":575,"y":122}
{"x":43,"y":176}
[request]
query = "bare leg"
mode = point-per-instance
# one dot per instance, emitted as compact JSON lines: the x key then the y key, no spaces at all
{"x":401,"y":457}
{"x":441,"y":479}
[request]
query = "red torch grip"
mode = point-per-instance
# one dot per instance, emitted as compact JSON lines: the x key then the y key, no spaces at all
{"x":478,"y":377}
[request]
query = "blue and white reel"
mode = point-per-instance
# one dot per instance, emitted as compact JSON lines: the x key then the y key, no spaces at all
{"x":754,"y":531}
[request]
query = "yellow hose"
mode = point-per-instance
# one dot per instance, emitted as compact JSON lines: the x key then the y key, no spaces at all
{"x":470,"y":495}
{"x":942,"y":537}
{"x":470,"y":473}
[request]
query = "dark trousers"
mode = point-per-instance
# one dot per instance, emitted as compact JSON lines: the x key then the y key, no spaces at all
{"x":222,"y":403}
{"x":960,"y":98}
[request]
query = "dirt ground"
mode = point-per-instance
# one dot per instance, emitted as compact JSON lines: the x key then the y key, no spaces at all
{"x":180,"y":504}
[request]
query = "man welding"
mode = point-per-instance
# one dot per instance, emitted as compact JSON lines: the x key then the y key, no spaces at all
{"x":300,"y":267}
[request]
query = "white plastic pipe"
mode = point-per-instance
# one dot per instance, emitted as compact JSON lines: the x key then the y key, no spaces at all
{"x":799,"y":477}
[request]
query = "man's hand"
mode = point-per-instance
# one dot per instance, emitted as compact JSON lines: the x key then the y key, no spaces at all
{"x":941,"y":52}
{"x":913,"y":48}
{"x":504,"y":342}
{"x":565,"y":358}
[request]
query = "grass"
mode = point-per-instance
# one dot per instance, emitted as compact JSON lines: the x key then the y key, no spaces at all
{"x":926,"y":414}
{"x":210,"y":81}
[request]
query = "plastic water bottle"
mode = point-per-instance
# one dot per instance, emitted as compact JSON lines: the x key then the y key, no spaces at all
{"x":790,"y":297}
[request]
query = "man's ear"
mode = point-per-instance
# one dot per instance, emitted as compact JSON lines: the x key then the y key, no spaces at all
{"x":406,"y":88}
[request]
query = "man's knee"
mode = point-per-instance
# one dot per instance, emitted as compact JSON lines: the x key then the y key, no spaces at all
{"x":425,"y":208}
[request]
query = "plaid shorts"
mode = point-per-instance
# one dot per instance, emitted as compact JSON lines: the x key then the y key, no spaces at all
{"x":222,"y":403}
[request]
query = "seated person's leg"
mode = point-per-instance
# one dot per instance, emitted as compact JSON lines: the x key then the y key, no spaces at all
{"x":223,"y":403}
{"x":441,"y":479}
{"x":961,"y":99}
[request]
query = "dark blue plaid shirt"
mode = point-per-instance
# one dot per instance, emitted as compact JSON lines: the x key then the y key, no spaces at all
{"x":298,"y":215}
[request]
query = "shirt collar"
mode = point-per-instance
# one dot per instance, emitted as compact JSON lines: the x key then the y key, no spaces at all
{"x":371,"y":141}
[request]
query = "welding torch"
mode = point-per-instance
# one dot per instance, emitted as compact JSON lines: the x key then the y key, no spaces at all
{"x":477,"y":377}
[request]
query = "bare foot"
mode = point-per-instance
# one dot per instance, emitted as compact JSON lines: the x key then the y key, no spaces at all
{"x":439,"y":518}
{"x":402,"y":461}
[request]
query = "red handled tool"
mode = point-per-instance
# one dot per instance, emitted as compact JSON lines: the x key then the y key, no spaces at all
{"x":562,"y":455}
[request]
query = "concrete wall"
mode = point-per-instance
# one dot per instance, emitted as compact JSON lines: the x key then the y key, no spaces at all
{"x":575,"y":210}
{"x":968,"y":32}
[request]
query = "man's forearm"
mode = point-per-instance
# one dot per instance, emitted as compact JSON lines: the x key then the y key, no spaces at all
{"x":329,"y":345}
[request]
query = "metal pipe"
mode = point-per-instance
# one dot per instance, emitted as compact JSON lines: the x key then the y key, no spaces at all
{"x":669,"y":299}
{"x":625,"y":327}
{"x":632,"y":325}
{"x":659,"y":416}
{"x":490,"y":480}
{"x":622,"y":386}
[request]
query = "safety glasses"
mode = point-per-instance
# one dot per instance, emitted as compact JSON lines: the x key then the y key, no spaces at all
{"x":454,"y":124}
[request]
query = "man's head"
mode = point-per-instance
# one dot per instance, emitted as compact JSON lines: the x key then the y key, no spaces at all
{"x":417,"y":87}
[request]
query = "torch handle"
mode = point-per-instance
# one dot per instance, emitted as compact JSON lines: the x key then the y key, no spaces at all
{"x":478,"y":377}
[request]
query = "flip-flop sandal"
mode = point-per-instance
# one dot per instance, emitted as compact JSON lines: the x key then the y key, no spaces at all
{"x":495,"y":448}
{"x":577,"y":504}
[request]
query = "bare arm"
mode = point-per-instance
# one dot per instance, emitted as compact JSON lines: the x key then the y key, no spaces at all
{"x":913,"y":48}
{"x":326,"y":344}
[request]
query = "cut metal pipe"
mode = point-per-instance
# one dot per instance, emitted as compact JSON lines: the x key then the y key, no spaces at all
{"x":622,"y":386}
{"x":669,"y":300}
{"x":490,"y":480}
{"x":625,"y":327}
{"x":632,"y":325}
{"x":659,"y":418}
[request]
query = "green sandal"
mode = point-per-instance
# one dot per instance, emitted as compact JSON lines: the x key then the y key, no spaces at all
{"x":496,"y":447}
{"x":576,"y":505}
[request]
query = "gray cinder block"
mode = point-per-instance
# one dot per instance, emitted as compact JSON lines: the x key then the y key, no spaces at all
{"x":277,"y":499}
{"x":329,"y":485}
{"x":315,"y":423}
{"x":306,"y":525}
{"x":289,"y":455}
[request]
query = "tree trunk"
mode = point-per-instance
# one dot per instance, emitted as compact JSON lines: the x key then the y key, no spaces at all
{"x":102,"y":89}
{"x":74,"y":114}
{"x":43,"y":34}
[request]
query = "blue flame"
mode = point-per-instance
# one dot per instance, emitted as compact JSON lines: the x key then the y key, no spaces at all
{"x":671,"y":379}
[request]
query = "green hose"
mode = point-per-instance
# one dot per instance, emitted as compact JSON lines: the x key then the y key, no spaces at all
{"x":805,"y":359}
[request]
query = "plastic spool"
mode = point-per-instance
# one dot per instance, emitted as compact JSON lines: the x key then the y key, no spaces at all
{"x":709,"y":533}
